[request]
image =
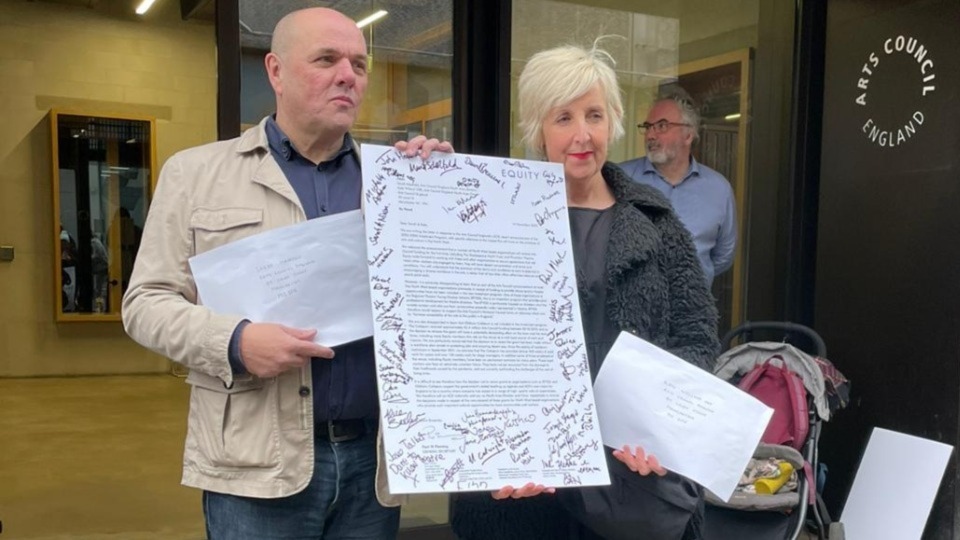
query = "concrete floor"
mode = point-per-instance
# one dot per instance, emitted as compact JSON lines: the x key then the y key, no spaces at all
{"x":98,"y":458}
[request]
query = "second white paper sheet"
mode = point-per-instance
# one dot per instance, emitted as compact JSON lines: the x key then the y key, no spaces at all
{"x":895,"y":487}
{"x":309,"y":275}
{"x":483,"y":373}
{"x":696,"y":424}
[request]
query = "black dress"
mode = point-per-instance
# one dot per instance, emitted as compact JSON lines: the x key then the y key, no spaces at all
{"x":477,"y":516}
{"x":634,"y":506}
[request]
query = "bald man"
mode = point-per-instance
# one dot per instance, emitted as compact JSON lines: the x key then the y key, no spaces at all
{"x":282,"y":432}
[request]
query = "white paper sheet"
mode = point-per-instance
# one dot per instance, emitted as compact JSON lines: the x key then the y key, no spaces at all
{"x":311,"y":275}
{"x":483,"y":373}
{"x":696,"y":424}
{"x":895,"y":486}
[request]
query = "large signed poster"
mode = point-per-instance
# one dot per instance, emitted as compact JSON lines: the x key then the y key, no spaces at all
{"x":481,"y":363}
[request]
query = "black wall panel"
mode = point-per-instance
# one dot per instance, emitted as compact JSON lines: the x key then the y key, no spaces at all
{"x":888,"y":246}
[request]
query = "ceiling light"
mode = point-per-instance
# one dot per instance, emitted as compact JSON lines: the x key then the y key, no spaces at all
{"x":371,"y":18}
{"x":732,"y":117}
{"x":144,"y":6}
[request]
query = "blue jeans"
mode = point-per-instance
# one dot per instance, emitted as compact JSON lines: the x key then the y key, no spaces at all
{"x":340,"y":502}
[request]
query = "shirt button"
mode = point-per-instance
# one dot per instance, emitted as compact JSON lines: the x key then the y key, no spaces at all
{"x":304,"y":391}
{"x":323,"y":208}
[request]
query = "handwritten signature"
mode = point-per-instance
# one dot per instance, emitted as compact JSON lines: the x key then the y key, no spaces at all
{"x":406,"y":468}
{"x":482,"y":169}
{"x":382,"y":285}
{"x":395,"y":419}
{"x":552,"y":237}
{"x":570,"y":396}
{"x":552,"y":179}
{"x":553,"y":267}
{"x":378,"y":225}
{"x":517,"y":164}
{"x":450,"y":473}
{"x":381,"y":257}
{"x":389,"y":320}
{"x":548,"y":215}
{"x":473,"y":212}
{"x":390,"y":156}
{"x":561,"y":312}
{"x":378,"y":187}
{"x":571,"y":480}
{"x":445,"y":165}
{"x":544,"y":198}
{"x":523,"y":457}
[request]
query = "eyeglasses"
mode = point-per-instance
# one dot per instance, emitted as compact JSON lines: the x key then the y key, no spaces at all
{"x":660,"y":126}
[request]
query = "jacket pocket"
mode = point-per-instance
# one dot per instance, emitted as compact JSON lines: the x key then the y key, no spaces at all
{"x":213,"y":227}
{"x":233,"y":428}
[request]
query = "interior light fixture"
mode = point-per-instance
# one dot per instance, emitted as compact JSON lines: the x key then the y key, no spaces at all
{"x":144,"y":6}
{"x":370,"y":18}
{"x":732,"y":117}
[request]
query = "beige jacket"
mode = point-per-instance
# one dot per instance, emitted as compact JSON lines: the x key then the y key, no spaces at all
{"x":245,"y":436}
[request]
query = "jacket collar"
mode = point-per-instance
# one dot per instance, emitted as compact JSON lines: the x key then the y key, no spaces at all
{"x":634,"y":236}
{"x":646,"y":166}
{"x":625,"y":190}
{"x":255,"y":139}
{"x":268,"y":172}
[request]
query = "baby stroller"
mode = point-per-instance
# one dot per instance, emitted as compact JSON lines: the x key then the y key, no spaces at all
{"x":786,"y":513}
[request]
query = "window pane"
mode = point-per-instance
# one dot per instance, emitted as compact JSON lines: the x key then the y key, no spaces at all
{"x":410,"y":88}
{"x":705,"y":46}
{"x":104,"y":182}
{"x":644,"y":47}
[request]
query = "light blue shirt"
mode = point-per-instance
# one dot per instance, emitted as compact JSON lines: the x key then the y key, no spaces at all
{"x":703,"y":201}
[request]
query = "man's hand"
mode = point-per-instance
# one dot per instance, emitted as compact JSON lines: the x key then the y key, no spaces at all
{"x":529,"y":490}
{"x":270,"y":349}
{"x":639,"y":462}
{"x":422,"y":146}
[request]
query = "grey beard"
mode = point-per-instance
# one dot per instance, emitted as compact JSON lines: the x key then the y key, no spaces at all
{"x":658,"y":157}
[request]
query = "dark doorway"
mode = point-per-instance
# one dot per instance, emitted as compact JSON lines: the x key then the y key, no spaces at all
{"x":887,"y":287}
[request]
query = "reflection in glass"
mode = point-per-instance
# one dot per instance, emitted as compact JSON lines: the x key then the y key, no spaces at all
{"x":645,"y":47}
{"x":410,"y":83}
{"x":440,"y":128}
{"x":104,"y":173}
{"x":717,"y":86}
{"x":656,"y":44}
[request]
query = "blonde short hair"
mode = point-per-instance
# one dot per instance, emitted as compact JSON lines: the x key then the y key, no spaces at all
{"x":558,"y":76}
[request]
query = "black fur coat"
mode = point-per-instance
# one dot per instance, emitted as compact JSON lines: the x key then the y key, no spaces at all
{"x":656,"y":287}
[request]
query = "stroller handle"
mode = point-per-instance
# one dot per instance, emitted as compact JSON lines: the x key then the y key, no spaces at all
{"x":787,"y":328}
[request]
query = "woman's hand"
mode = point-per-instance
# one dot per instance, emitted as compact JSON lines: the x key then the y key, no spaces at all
{"x":529,"y":490}
{"x":422,"y":146}
{"x":639,"y":461}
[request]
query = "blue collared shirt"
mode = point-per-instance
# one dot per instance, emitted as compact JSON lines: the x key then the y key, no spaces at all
{"x":345,"y":387}
{"x":704,"y":202}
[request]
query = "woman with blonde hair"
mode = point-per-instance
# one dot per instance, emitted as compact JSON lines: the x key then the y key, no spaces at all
{"x":637,"y":271}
